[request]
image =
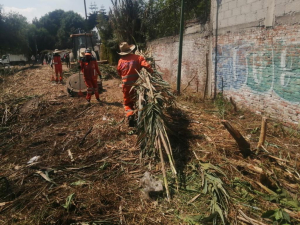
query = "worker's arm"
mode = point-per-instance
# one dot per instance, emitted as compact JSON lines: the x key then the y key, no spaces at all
{"x":97,"y":69}
{"x":146,"y":65}
{"x":119,"y":70}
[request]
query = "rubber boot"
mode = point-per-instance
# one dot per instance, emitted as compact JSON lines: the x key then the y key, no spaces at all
{"x":131,"y":121}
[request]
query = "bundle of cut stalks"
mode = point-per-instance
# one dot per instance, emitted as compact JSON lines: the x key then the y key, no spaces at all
{"x":154,"y":98}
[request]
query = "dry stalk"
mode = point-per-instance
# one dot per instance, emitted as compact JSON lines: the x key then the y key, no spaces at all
{"x":163,"y":169}
{"x":263,"y":132}
{"x":5,"y":115}
{"x":154,"y":96}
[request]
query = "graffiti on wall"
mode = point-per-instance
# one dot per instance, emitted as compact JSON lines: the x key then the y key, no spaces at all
{"x":262,"y":68}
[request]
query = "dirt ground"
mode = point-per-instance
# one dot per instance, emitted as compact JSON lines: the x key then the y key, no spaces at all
{"x":88,"y":167}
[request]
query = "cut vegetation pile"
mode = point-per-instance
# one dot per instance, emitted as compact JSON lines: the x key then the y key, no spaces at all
{"x":154,"y":99}
{"x":85,"y":167}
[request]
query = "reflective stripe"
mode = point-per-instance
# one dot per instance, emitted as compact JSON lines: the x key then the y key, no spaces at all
{"x":128,"y":110}
{"x":56,"y":63}
{"x":130,"y":75}
{"x":129,"y":82}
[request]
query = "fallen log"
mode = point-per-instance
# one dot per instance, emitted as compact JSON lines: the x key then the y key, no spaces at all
{"x":244,"y":145}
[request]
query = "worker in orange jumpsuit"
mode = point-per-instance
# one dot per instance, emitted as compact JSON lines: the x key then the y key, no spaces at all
{"x":89,"y":68}
{"x":128,"y":66}
{"x":56,"y":60}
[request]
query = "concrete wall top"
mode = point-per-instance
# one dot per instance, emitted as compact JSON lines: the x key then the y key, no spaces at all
{"x":254,"y":12}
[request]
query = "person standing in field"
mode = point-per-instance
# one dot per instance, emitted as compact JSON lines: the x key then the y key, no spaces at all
{"x":56,"y":60}
{"x":89,"y":68}
{"x":128,"y":66}
{"x":67,"y":59}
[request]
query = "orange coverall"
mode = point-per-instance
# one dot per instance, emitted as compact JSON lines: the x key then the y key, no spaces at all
{"x":58,"y":67}
{"x":88,"y":68}
{"x":127,"y":67}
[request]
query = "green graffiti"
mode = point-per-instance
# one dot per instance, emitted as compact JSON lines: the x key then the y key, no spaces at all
{"x":259,"y":72}
{"x":263,"y":68}
{"x":276,"y":68}
{"x":287,"y":73}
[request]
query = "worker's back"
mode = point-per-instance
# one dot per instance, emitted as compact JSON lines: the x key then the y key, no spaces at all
{"x":129,"y":64}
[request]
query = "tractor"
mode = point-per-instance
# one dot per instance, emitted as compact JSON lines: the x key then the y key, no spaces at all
{"x":75,"y":83}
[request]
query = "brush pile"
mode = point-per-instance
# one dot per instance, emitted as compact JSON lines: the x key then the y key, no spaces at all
{"x":154,"y":99}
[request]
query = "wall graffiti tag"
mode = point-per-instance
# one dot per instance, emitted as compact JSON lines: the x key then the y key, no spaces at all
{"x":263,"y":68}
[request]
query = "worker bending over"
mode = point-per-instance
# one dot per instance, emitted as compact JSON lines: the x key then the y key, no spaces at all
{"x":128,"y":66}
{"x":90,"y":70}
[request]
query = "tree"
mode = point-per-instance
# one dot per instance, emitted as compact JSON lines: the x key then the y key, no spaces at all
{"x":162,"y":17}
{"x":70,"y":23}
{"x":51,"y":21}
{"x":14,"y":39}
{"x":125,"y":17}
{"x":92,"y":18}
{"x":108,"y":45}
{"x":1,"y":28}
{"x":53,"y":30}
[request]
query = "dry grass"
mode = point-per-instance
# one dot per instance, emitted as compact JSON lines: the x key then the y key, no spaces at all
{"x":41,"y":120}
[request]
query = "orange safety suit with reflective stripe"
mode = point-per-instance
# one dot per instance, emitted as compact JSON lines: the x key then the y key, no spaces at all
{"x":58,"y":66}
{"x":127,"y":68}
{"x":90,"y":70}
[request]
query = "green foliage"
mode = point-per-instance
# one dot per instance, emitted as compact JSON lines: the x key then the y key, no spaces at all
{"x":109,"y":46}
{"x":49,"y":32}
{"x":14,"y":39}
{"x":68,"y":203}
{"x":215,"y":187}
{"x":104,"y":27}
{"x":278,"y":216}
{"x":123,"y":23}
{"x":69,"y":24}
{"x":91,"y":21}
{"x":162,"y":17}
{"x":53,"y":30}
{"x":126,"y":20}
{"x":137,"y":21}
{"x":222,"y":104}
{"x":285,"y":199}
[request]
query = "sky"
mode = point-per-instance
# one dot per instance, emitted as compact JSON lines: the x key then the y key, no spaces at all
{"x":38,"y":8}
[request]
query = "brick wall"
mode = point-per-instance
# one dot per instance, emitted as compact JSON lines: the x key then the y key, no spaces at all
{"x":257,"y":61}
{"x":258,"y":55}
{"x":195,"y":48}
{"x":261,"y":12}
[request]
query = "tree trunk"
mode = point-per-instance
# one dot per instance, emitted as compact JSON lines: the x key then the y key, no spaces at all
{"x":244,"y":146}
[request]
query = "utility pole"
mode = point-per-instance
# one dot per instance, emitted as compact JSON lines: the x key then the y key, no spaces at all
{"x":180,"y":46}
{"x":86,"y":25}
{"x":216,"y":49}
{"x":85,"y":10}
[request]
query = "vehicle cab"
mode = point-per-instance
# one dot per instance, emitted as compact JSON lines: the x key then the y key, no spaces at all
{"x":4,"y":59}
